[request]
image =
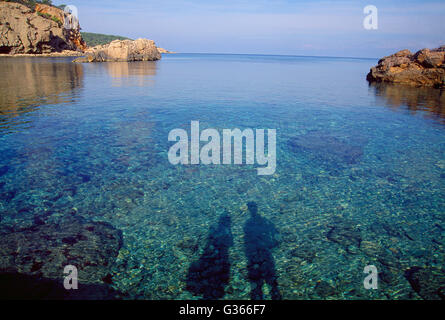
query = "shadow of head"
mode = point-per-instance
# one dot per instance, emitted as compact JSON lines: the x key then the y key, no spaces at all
{"x":252,"y":207}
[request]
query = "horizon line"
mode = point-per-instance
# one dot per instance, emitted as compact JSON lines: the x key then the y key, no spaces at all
{"x":272,"y":54}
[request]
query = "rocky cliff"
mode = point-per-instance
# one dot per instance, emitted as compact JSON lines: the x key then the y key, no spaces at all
{"x":23,"y":30}
{"x":424,"y":68}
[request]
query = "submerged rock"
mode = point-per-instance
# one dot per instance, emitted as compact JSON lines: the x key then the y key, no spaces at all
{"x":326,"y":147}
{"x":43,"y":250}
{"x":370,"y":248}
{"x":345,"y":234}
{"x":323,"y":289}
{"x":123,"y":50}
{"x":429,"y":282}
{"x":381,"y":227}
{"x":424,"y":68}
{"x":304,"y":252}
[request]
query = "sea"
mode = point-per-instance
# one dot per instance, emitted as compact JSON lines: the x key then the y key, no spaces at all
{"x":355,"y":208}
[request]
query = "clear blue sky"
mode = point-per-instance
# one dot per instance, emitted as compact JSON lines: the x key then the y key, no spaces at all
{"x":327,"y":28}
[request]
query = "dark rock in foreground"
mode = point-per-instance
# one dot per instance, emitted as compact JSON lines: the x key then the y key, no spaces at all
{"x":43,"y":250}
{"x":424,"y":68}
{"x":123,"y":50}
{"x":429,"y":282}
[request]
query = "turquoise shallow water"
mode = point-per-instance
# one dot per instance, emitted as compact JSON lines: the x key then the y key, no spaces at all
{"x":360,"y":175}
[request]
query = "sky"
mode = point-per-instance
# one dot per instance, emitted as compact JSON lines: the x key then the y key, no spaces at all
{"x":288,"y":27}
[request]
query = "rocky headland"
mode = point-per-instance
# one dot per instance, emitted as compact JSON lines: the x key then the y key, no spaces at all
{"x":39,"y":31}
{"x":423,"y":68}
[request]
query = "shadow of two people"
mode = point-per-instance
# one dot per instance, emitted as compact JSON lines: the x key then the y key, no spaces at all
{"x":210,"y":274}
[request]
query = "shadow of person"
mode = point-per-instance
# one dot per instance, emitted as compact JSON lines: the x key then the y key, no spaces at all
{"x":259,"y":240}
{"x":209,"y":275}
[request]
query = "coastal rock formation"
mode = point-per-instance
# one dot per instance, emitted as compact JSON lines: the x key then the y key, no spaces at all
{"x":23,"y":30}
{"x":123,"y":50}
{"x":424,"y":68}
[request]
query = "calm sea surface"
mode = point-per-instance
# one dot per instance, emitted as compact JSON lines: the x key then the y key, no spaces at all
{"x":360,"y":178}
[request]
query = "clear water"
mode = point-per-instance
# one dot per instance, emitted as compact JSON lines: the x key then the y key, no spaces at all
{"x":360,"y":173}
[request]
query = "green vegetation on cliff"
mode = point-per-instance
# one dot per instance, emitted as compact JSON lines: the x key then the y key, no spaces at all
{"x":94,"y":39}
{"x":31,"y":3}
{"x":53,"y":18}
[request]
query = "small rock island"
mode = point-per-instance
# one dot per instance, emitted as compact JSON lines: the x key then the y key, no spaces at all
{"x":122,"y":50}
{"x":423,"y":68}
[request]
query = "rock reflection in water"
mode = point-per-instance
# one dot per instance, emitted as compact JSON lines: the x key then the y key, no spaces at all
{"x":414,"y":99}
{"x":137,"y":73}
{"x":135,"y":134}
{"x":27,"y":82}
